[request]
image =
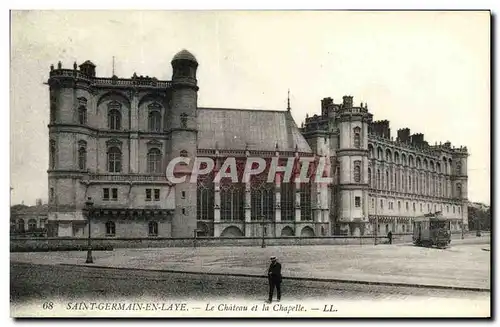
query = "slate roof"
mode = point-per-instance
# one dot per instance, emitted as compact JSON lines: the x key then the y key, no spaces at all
{"x":233,"y":129}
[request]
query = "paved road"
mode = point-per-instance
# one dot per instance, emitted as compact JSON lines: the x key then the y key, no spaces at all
{"x":55,"y":282}
{"x":458,"y":266}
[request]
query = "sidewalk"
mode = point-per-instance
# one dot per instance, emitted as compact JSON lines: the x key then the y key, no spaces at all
{"x":381,"y":264}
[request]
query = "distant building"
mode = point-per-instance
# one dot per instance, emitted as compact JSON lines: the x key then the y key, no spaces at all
{"x":29,"y":220}
{"x":111,"y":139}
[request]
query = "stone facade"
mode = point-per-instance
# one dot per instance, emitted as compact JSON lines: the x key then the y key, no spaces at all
{"x":112,"y":138}
{"x":381,"y":183}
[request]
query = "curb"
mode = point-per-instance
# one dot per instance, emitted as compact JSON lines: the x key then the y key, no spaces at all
{"x":327,"y":280}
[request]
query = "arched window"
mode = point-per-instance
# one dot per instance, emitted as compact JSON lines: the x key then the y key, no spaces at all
{"x":378,"y":178}
{"x":387,"y":180}
{"x":82,"y":115}
{"x":114,"y":119}
{"x":154,"y":121}
{"x":369,"y":177}
{"x":404,"y":228}
{"x":232,"y":196}
{"x":110,"y":228}
{"x":82,"y":158}
{"x":357,"y":137}
{"x":459,"y":190}
{"x":305,"y":202}
{"x":262,"y":199}
{"x":31,"y":224}
{"x":205,"y":198}
{"x":114,"y":160}
{"x":20,"y":226}
{"x":459,"y":169}
{"x":154,"y":161}
{"x":52,"y":154}
{"x":288,"y":201}
{"x":357,"y":171}
{"x":153,"y":228}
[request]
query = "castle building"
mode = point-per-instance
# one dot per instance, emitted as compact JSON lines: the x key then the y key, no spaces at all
{"x":111,"y":140}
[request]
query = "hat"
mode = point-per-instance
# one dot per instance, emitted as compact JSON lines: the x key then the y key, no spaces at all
{"x":273,"y":258}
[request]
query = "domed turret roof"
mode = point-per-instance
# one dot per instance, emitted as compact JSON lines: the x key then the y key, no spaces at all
{"x":184,"y":55}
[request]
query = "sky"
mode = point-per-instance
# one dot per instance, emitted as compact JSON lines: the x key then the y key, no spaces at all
{"x":428,"y":71}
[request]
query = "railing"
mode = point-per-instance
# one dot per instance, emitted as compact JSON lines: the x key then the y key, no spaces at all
{"x":353,"y":110}
{"x":127,"y":177}
{"x":109,"y":81}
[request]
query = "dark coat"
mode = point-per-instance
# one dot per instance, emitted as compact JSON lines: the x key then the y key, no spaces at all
{"x":274,"y":271}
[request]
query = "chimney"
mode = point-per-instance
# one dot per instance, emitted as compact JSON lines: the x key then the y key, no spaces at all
{"x":403,"y":135}
{"x":326,"y":106}
{"x":347,"y":101}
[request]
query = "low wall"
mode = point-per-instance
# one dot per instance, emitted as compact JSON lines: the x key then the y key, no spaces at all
{"x":73,"y":244}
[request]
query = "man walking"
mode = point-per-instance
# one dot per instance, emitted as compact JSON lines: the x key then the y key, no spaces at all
{"x":274,"y":277}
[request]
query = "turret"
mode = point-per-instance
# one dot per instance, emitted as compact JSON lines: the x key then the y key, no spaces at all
{"x":182,"y":126}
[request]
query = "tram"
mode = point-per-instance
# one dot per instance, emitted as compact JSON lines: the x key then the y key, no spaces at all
{"x":432,"y":230}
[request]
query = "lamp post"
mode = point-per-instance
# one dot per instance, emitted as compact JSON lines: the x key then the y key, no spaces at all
{"x":88,"y":209}
{"x":263,"y":231}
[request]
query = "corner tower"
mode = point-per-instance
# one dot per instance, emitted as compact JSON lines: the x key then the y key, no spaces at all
{"x":352,"y":155}
{"x":182,"y":131}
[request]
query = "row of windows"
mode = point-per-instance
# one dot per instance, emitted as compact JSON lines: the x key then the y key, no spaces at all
{"x":111,"y":228}
{"x":411,"y":162}
{"x":414,"y":206}
{"x":114,"y":158}
{"x":20,"y":225}
{"x":262,"y":202}
{"x":402,"y":182}
{"x":106,"y":192}
{"x":115,"y":116}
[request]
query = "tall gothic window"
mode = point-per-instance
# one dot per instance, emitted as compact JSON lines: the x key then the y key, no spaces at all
{"x":357,"y":171}
{"x":369,"y":177}
{"x":232,"y":196}
{"x":387,"y":180}
{"x":357,"y":137}
{"x":287,"y":201}
{"x":262,"y":199}
{"x":459,"y":190}
{"x":114,"y":160}
{"x":305,"y":202}
{"x":154,"y":161}
{"x":154,"y":121}
{"x":52,"y":154}
{"x":205,"y":198}
{"x":82,"y":115}
{"x":459,"y":169}
{"x":82,"y":157}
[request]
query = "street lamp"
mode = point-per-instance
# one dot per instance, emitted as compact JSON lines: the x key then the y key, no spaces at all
{"x":88,"y":210}
{"x":263,"y":222}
